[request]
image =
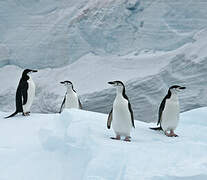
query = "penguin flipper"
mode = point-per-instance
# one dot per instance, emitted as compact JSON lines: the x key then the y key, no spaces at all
{"x":80,"y":105}
{"x":62,"y":105}
{"x":161,"y":108}
{"x":24,"y":88}
{"x":157,"y":128}
{"x":109,"y":120}
{"x":16,"y":112}
{"x":132,"y":115}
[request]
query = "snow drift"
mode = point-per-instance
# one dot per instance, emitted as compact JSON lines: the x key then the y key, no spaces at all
{"x":76,"y":145}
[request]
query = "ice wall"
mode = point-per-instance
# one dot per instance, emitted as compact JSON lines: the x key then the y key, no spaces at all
{"x":146,"y":83}
{"x":148,"y":44}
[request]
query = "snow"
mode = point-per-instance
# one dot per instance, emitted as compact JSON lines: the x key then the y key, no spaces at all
{"x":76,"y":145}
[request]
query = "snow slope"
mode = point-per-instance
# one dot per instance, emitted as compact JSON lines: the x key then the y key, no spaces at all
{"x":77,"y":145}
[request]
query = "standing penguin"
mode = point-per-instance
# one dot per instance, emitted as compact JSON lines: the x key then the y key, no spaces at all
{"x":71,"y":99}
{"x":25,"y":93}
{"x":169,"y":112}
{"x":121,"y":114}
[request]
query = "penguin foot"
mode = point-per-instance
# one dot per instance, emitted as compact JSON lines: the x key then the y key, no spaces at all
{"x":127,"y":139}
{"x":175,"y":135}
{"x":116,"y":138}
{"x":168,"y":134}
{"x":26,"y":113}
{"x":171,"y":134}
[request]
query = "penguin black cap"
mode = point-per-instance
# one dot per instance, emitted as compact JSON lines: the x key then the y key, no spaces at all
{"x":66,"y":82}
{"x":29,"y":70}
{"x":177,"y":87}
{"x":116,"y":82}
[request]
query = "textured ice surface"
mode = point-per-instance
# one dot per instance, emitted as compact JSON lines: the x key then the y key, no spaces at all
{"x":47,"y":33}
{"x":147,"y":77}
{"x":76,"y":145}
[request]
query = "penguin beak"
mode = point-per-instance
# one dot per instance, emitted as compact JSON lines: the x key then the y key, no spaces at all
{"x":180,"y":89}
{"x":62,"y":83}
{"x":34,"y":71}
{"x":111,"y":82}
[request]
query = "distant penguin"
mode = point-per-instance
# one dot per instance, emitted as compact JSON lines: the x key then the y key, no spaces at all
{"x":121,"y":115}
{"x":169,"y":112}
{"x":25,"y":93}
{"x":71,"y":99}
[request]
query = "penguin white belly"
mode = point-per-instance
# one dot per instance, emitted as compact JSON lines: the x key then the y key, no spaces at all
{"x":170,"y":115}
{"x":30,"y":95}
{"x":121,"y":122}
{"x":71,"y":101}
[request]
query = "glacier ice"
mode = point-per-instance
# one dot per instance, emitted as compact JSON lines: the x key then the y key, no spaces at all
{"x":41,"y":34}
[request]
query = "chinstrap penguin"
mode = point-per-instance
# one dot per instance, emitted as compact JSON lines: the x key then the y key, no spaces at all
{"x":169,"y":112}
{"x":121,"y":115}
{"x":71,"y":99}
{"x":25,"y":93}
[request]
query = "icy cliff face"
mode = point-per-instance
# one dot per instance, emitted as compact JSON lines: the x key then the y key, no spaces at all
{"x":187,"y":66}
{"x":147,"y":44}
{"x":147,"y":78}
{"x":45,"y":33}
{"x":146,"y":94}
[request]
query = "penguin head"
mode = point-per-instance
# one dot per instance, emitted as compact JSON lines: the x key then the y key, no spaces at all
{"x":176,"y":88}
{"x":28,"y":71}
{"x":26,"y":74}
{"x":67,"y":83}
{"x":116,"y":83}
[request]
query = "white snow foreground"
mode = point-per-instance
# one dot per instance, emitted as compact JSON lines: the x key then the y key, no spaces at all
{"x":76,"y":145}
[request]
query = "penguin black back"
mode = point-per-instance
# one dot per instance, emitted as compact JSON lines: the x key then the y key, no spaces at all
{"x":168,"y":96}
{"x":125,"y":97}
{"x":21,"y":92}
{"x":129,"y":104}
{"x":162,"y":105}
